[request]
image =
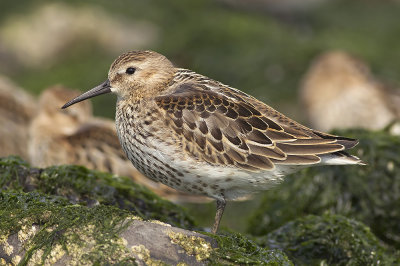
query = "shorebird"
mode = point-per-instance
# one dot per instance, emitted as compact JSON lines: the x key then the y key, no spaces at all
{"x":197,"y":135}
{"x":74,"y":136}
{"x":340,"y":92}
{"x":17,"y":108}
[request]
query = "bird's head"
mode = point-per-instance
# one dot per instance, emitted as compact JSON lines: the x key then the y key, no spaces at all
{"x":134,"y":74}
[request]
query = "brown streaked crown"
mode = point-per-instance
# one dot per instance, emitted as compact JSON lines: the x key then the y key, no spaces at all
{"x":152,"y":73}
{"x":133,"y":56}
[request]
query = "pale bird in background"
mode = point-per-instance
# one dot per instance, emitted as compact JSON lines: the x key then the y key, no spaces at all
{"x":339,"y":92}
{"x":74,"y":136}
{"x":200,"y":136}
{"x":17,"y":108}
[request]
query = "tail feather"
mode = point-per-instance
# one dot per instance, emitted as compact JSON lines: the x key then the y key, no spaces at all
{"x":348,"y":143}
{"x":340,"y":158}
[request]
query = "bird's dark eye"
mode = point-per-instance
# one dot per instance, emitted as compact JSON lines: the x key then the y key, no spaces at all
{"x":130,"y":70}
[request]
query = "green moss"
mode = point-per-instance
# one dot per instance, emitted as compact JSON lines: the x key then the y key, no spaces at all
{"x":236,"y":249}
{"x":85,"y":235}
{"x":15,"y":173}
{"x":370,"y":193}
{"x":329,"y":240}
{"x":87,"y":187}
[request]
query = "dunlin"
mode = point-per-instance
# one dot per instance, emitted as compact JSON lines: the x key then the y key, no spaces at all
{"x":339,"y":91}
{"x":74,"y":136}
{"x":17,"y":109}
{"x":200,"y":136}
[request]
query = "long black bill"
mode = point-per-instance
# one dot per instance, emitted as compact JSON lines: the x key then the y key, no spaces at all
{"x":101,"y":89}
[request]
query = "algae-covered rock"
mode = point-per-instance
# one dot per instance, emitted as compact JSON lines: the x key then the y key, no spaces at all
{"x":70,"y":216}
{"x":235,"y":249}
{"x":37,"y":229}
{"x":40,"y":229}
{"x":90,"y":188}
{"x":329,"y":240}
{"x":369,"y":193}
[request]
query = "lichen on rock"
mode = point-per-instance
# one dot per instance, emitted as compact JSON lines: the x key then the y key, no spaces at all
{"x":144,"y":254}
{"x":193,"y":245}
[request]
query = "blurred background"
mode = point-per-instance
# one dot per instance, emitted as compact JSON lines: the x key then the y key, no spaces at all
{"x":263,"y":47}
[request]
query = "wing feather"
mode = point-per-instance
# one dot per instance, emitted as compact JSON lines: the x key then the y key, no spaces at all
{"x":224,"y":126}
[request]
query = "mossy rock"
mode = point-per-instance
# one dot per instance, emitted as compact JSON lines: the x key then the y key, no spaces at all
{"x":370,"y":193}
{"x":42,"y":229}
{"x":236,"y":249}
{"x":37,"y":228}
{"x":329,"y":240}
{"x":90,"y":188}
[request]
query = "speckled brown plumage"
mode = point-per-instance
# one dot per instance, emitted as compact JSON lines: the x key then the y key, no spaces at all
{"x":231,"y":131}
{"x":198,"y":135}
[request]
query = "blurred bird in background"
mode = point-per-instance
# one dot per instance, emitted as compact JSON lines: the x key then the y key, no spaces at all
{"x":17,"y":108}
{"x":339,"y":92}
{"x":74,"y":136}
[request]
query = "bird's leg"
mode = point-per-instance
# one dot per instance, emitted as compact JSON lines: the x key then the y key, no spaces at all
{"x":220,"y":210}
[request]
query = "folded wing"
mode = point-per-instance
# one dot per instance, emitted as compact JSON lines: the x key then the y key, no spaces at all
{"x":225,"y":129}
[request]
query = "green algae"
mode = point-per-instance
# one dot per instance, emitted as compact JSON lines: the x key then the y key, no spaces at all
{"x":329,"y":240}
{"x":236,"y":249}
{"x":87,"y":187}
{"x":15,"y":173}
{"x":84,"y":235}
{"x":370,"y":193}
